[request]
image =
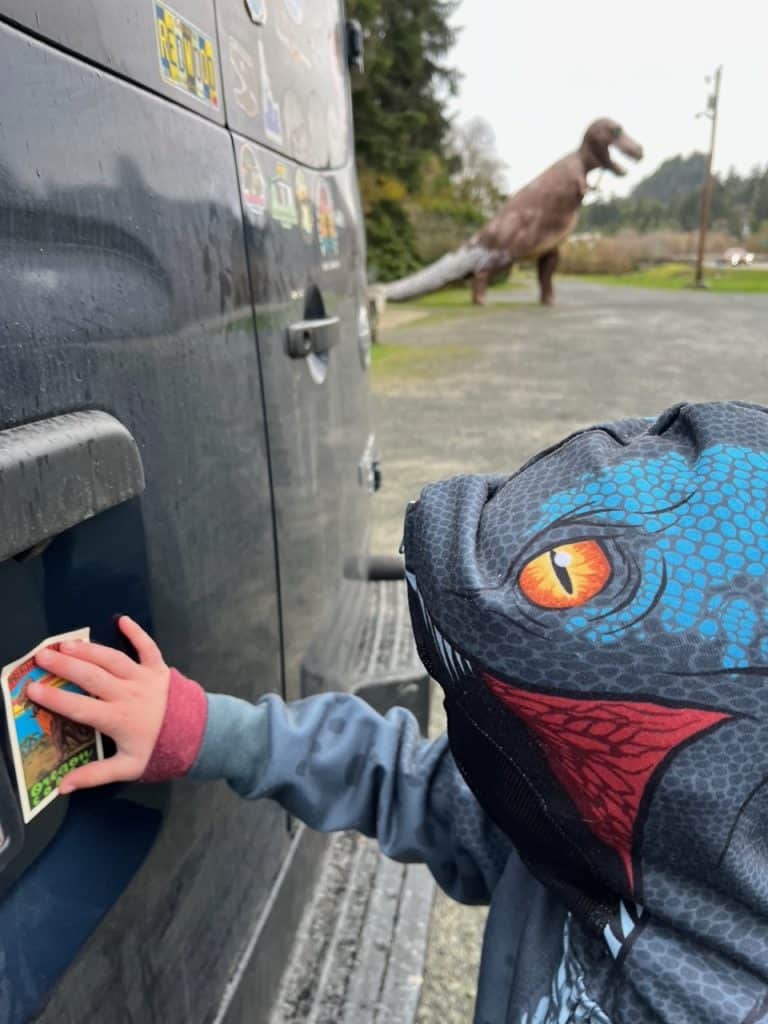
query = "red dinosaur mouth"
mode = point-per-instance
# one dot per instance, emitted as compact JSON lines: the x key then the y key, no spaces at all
{"x":605,"y":753}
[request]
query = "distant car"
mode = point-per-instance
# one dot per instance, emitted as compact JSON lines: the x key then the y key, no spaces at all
{"x":736,"y":256}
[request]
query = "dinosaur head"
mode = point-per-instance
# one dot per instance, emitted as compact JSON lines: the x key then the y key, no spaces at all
{"x":599,"y":623}
{"x":596,"y":146}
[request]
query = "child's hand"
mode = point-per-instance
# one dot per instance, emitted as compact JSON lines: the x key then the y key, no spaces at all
{"x":131,"y":705}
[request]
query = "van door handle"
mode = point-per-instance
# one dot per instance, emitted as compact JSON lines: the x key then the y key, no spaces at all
{"x":57,"y":472}
{"x":316,"y":336}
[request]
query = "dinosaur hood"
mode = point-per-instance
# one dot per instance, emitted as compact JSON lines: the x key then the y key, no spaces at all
{"x":599,"y":623}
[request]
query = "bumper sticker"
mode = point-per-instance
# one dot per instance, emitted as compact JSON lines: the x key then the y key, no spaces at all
{"x":45,"y":746}
{"x":187,"y":56}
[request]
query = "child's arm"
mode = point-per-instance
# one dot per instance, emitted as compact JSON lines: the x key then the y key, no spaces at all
{"x":331,"y":760}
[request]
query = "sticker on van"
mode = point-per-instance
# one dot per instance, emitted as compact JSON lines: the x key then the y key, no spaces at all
{"x":252,"y":183}
{"x":187,"y":55}
{"x":246,"y":86}
{"x":273,"y":122}
{"x":306,"y":216}
{"x":282,"y":204}
{"x":326,"y":226}
{"x":45,"y":746}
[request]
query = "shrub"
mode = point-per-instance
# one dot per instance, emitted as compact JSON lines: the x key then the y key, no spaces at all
{"x":629,"y":250}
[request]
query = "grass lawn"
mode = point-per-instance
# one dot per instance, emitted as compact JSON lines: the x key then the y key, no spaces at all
{"x":673,"y":276}
{"x":391,"y":360}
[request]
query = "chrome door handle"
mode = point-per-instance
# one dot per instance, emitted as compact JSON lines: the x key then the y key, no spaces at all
{"x":313,"y":336}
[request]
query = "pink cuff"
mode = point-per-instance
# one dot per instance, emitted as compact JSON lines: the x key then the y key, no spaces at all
{"x":181,"y":733}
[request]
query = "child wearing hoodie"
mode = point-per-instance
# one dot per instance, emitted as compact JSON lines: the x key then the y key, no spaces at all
{"x":598,"y":621}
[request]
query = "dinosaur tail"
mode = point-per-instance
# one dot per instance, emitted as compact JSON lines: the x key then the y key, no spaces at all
{"x":454,"y":266}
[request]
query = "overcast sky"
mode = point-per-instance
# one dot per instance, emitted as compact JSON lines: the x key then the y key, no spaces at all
{"x":541,"y":70}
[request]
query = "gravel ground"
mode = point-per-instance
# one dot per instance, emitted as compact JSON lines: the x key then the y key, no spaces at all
{"x":481,"y":390}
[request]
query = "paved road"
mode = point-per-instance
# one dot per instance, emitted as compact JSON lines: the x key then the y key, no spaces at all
{"x":483,"y":390}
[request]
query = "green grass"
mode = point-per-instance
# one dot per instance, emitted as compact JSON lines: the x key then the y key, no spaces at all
{"x":393,"y":360}
{"x":674,"y":276}
{"x":446,"y":303}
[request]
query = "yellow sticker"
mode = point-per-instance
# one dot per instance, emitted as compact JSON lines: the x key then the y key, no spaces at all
{"x":187,"y":57}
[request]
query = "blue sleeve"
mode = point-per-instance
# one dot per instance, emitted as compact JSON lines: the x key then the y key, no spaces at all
{"x":335,"y":763}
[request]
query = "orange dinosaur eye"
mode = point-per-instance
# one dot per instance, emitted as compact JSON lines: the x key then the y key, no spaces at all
{"x":566,"y":576}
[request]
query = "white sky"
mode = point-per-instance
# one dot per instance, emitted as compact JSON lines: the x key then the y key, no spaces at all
{"x":541,"y":70}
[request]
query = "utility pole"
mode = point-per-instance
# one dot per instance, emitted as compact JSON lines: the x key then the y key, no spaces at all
{"x":706,"y":192}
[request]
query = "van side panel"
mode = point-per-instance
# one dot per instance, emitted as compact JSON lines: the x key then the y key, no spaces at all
{"x":124,"y":287}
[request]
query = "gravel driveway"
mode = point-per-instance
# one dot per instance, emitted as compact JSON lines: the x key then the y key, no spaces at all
{"x":481,"y":390}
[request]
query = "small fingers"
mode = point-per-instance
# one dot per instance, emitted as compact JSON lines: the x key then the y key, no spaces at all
{"x":84,"y":710}
{"x":115,"y":662}
{"x":146,"y":648}
{"x":77,"y":670}
{"x":99,"y":773}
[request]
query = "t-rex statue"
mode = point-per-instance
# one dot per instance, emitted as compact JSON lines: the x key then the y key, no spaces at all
{"x":530,"y":225}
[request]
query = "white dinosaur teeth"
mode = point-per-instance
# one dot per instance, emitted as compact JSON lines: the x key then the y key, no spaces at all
{"x":627,"y":922}
{"x":453,"y":661}
{"x":445,"y":654}
{"x":611,"y":941}
{"x":455,"y":664}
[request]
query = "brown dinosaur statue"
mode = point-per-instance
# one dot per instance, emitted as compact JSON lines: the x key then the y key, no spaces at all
{"x":530,"y":225}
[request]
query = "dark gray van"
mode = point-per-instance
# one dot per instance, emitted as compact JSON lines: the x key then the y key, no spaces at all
{"x":184,"y":437}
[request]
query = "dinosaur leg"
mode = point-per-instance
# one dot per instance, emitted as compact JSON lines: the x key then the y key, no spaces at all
{"x":479,"y":285}
{"x":546,"y":267}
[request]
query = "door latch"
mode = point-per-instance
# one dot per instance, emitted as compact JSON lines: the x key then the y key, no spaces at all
{"x":313,"y":336}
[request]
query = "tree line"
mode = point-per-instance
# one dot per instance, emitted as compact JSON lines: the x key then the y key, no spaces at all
{"x":428,"y":183}
{"x":425,"y":182}
{"x":670,"y":198}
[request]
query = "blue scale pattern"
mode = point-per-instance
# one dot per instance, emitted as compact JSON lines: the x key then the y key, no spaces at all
{"x":680,"y":507}
{"x":702,"y":536}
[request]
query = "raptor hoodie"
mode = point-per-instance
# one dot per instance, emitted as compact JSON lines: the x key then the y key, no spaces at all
{"x":599,"y":624}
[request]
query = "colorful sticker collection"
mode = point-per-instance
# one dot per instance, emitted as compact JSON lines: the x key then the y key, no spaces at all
{"x":188,"y":62}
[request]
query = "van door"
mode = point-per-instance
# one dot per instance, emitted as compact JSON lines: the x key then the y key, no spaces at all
{"x":125,"y":302}
{"x":287,"y":98}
